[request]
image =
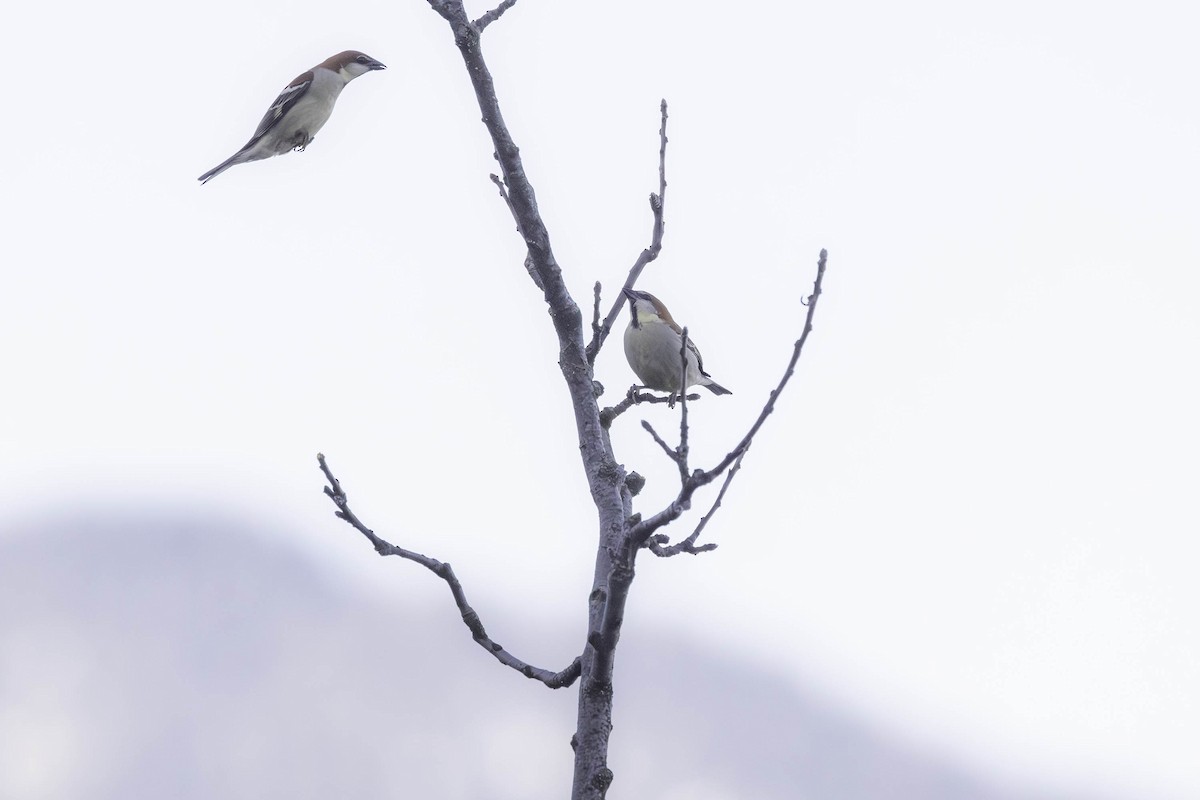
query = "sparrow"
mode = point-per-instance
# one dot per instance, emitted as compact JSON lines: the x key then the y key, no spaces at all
{"x":652,"y":344}
{"x":300,"y":110}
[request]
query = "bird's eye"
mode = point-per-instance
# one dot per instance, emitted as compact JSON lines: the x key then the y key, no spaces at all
{"x":361,"y":59}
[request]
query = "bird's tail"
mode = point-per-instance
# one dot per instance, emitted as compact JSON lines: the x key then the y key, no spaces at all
{"x":715,"y":387}
{"x":236,"y":158}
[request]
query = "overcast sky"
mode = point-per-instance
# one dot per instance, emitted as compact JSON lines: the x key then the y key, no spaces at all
{"x":973,"y":515}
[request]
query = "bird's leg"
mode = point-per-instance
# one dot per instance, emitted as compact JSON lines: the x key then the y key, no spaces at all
{"x":301,"y":140}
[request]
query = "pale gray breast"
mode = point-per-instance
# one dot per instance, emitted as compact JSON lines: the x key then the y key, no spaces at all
{"x":653,"y":353}
{"x":313,"y":110}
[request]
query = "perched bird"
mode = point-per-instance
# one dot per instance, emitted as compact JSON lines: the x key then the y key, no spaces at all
{"x":652,"y":344}
{"x":300,"y":110}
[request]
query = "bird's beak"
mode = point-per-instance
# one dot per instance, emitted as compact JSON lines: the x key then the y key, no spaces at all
{"x":630,"y":293}
{"x":376,"y":64}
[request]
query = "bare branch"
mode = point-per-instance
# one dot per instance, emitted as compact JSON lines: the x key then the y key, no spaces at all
{"x":650,"y":253}
{"x":644,"y":529}
{"x":554,"y":680}
{"x":493,"y":15}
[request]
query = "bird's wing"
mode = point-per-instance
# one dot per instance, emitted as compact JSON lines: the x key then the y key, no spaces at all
{"x":691,"y":346}
{"x":699,"y":358}
{"x":285,"y":102}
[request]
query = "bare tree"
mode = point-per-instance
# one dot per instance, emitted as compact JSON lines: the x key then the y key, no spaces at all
{"x":623,"y":534}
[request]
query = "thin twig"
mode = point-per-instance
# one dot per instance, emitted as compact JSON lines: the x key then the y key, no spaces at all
{"x":507,"y":200}
{"x":537,"y":279}
{"x":516,"y":217}
{"x":643,"y":530}
{"x":554,"y":680}
{"x":670,"y":451}
{"x":682,"y":451}
{"x":797,"y":349}
{"x":493,"y":15}
{"x":650,"y":253}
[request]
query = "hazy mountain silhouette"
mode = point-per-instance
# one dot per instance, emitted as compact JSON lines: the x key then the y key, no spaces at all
{"x":187,"y":657}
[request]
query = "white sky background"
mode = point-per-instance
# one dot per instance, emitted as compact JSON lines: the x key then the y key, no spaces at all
{"x":973,"y":514}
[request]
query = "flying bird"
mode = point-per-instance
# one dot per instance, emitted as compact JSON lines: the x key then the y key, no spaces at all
{"x":300,"y":110}
{"x":652,"y":344}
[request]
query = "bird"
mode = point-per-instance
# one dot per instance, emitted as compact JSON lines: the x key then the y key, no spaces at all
{"x":652,"y":344}
{"x":300,"y":110}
